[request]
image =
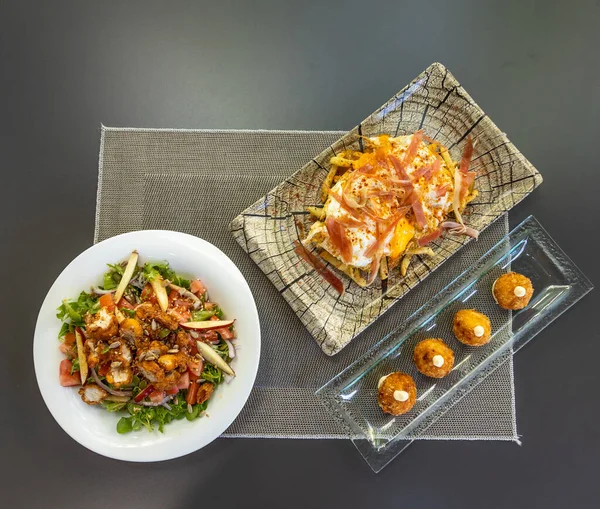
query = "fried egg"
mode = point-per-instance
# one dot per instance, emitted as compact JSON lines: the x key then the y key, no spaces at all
{"x":378,"y":186}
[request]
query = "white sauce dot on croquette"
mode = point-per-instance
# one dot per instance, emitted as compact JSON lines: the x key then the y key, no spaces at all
{"x":478,"y":331}
{"x":438,"y":361}
{"x":400,"y":395}
{"x":519,"y":291}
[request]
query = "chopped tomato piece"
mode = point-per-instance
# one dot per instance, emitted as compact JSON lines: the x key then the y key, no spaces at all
{"x":225,"y":333}
{"x":178,"y":300}
{"x":210,"y":336}
{"x":124,"y":303}
{"x":69,"y":338}
{"x":183,"y":303}
{"x":68,"y":350}
{"x":106,"y":301}
{"x":192,"y":392}
{"x":148,"y":294}
{"x":184,"y":381}
{"x":195,"y":366}
{"x":181,"y":315}
{"x":197,"y":287}
{"x":172,"y":390}
{"x":66,"y":378}
{"x":156,"y":396}
{"x":180,"y":307}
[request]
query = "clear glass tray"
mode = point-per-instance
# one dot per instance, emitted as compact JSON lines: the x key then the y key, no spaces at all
{"x":352,"y":395}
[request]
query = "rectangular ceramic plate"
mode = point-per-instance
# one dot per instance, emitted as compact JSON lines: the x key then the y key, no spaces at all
{"x":435,"y":102}
{"x":352,"y":395}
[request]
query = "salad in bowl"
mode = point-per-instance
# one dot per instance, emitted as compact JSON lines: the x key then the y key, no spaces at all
{"x":158,"y":345}
{"x":148,"y":342}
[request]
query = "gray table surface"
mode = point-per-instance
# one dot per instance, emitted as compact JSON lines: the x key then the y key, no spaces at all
{"x":68,"y":66}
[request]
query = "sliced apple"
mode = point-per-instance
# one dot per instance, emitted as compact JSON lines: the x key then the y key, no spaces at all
{"x":131,"y":265}
{"x":158,"y":285}
{"x":214,"y":358}
{"x":119,"y":314}
{"x":83,"y":365}
{"x":207,"y":324}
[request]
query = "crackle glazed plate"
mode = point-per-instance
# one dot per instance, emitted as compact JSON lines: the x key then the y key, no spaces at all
{"x":268,"y":230}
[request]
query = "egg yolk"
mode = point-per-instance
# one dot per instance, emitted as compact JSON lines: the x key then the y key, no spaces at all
{"x":403,"y":234}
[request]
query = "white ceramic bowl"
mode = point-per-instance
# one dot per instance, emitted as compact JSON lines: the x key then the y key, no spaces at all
{"x":94,"y":427}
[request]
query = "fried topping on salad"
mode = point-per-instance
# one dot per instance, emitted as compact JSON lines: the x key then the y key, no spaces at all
{"x":102,"y":325}
{"x":142,"y":350}
{"x":204,"y":392}
{"x":147,"y":311}
{"x":92,"y":394}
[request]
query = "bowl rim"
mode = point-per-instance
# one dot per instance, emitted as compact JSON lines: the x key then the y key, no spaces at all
{"x":129,"y":453}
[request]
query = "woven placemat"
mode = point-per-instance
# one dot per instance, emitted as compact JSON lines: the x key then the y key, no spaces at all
{"x":196,"y":181}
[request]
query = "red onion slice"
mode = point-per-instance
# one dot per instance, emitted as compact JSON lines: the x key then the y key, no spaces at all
{"x":230,"y":348}
{"x":99,"y":291}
